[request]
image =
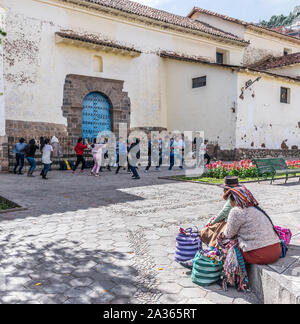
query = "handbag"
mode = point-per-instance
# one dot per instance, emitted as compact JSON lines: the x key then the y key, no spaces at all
{"x":284,"y":235}
{"x":188,"y":244}
{"x":206,"y":271}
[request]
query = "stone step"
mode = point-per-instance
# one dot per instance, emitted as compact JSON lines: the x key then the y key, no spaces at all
{"x":278,"y":283}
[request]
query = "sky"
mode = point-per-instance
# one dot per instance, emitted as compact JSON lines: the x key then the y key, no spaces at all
{"x":248,"y":10}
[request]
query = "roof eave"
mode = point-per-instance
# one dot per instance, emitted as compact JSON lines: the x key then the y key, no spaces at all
{"x":155,"y":22}
{"x":237,"y":68}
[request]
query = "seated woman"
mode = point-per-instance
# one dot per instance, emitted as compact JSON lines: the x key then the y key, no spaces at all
{"x":216,"y":225}
{"x":256,"y":235}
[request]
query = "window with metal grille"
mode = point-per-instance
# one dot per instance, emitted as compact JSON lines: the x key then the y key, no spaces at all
{"x":199,"y":82}
{"x":220,"y":58}
{"x":285,"y":95}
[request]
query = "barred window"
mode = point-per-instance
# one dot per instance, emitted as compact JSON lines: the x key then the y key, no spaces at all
{"x":199,"y":82}
{"x":285,"y":94}
{"x":220,"y":58}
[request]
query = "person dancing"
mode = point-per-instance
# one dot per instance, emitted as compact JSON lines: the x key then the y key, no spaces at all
{"x":97,"y":156}
{"x":79,"y":149}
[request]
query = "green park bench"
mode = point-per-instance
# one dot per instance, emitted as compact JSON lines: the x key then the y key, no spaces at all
{"x":272,"y":167}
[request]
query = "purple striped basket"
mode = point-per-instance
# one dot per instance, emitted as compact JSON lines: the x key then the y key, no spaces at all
{"x":188,"y":243}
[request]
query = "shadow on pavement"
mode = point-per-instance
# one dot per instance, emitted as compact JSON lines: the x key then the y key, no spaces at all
{"x":64,"y":272}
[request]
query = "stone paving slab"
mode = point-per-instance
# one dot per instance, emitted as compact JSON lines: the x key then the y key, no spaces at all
{"x":112,"y":239}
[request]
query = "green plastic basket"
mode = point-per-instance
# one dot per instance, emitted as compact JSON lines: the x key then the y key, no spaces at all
{"x":205,"y":271}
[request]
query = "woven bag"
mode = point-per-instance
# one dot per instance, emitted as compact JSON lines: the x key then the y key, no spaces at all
{"x":188,"y":243}
{"x":205,"y":271}
{"x":284,"y":233}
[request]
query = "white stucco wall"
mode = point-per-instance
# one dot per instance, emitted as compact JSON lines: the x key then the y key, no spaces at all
{"x":209,"y":108}
{"x":263,"y":45}
{"x":291,"y":70}
{"x":228,"y":26}
{"x":36,"y":67}
{"x":263,"y":121}
{"x":2,"y":100}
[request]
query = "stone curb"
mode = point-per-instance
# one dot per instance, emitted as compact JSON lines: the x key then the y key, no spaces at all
{"x":278,"y":283}
{"x":215,"y":184}
{"x":271,"y":287}
{"x":14,"y":207}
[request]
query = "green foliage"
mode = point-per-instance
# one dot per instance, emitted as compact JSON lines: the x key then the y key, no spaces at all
{"x":2,"y":33}
{"x":221,"y":173}
{"x":281,"y":20}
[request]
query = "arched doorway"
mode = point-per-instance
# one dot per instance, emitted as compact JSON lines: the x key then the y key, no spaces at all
{"x":96,"y":115}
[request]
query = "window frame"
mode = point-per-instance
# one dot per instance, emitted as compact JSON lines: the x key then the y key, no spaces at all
{"x":225,"y":54}
{"x":287,"y":51}
{"x":287,"y":98}
{"x":223,"y":57}
{"x":202,"y":82}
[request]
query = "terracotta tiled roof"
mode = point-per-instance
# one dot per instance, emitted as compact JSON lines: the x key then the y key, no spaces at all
{"x":94,"y":39}
{"x":182,"y":57}
{"x":276,"y":62}
{"x":240,"y":22}
{"x":140,"y":10}
{"x":211,"y":13}
{"x":201,"y":60}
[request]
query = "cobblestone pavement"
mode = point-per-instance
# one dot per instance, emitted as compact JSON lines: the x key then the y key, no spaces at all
{"x":112,"y":239}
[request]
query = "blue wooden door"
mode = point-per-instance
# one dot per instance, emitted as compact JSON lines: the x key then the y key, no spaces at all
{"x":95,"y":115}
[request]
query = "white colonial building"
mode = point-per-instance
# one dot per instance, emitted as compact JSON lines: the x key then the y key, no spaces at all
{"x":64,"y":59}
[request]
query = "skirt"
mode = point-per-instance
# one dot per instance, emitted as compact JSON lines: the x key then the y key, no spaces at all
{"x":267,"y":255}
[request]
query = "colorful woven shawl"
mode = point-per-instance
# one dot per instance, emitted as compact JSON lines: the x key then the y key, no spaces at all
{"x":234,"y":269}
{"x":243,"y":197}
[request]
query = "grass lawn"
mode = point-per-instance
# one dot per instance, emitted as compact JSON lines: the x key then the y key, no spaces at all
{"x":221,"y":181}
{"x":6,"y":204}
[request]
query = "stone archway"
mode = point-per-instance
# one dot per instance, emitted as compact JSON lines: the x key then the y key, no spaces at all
{"x":75,"y":90}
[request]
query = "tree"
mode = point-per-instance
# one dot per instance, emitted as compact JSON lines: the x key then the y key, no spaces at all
{"x":281,"y":20}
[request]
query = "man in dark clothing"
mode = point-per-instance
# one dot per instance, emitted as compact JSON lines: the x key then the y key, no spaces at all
{"x":206,"y":156}
{"x":155,"y":152}
{"x":30,"y":156}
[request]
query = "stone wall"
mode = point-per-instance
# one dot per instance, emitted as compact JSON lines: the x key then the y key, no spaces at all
{"x":77,"y":87}
{"x":265,"y":153}
{"x":244,"y":154}
{"x":18,"y":128}
{"x":3,"y":154}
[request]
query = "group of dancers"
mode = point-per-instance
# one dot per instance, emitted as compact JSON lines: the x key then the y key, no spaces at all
{"x":126,"y":154}
{"x":24,"y":150}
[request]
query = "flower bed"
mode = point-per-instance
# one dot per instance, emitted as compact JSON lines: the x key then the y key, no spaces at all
{"x":295,"y":164}
{"x":243,"y":169}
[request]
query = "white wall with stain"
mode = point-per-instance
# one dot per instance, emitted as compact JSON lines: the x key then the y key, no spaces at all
{"x":160,"y":90}
{"x":209,"y":108}
{"x":2,"y":98}
{"x":262,"y":120}
{"x":263,"y":45}
{"x":36,"y":67}
{"x":290,"y":70}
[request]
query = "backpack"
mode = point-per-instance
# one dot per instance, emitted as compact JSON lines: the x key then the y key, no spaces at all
{"x":63,"y":166}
